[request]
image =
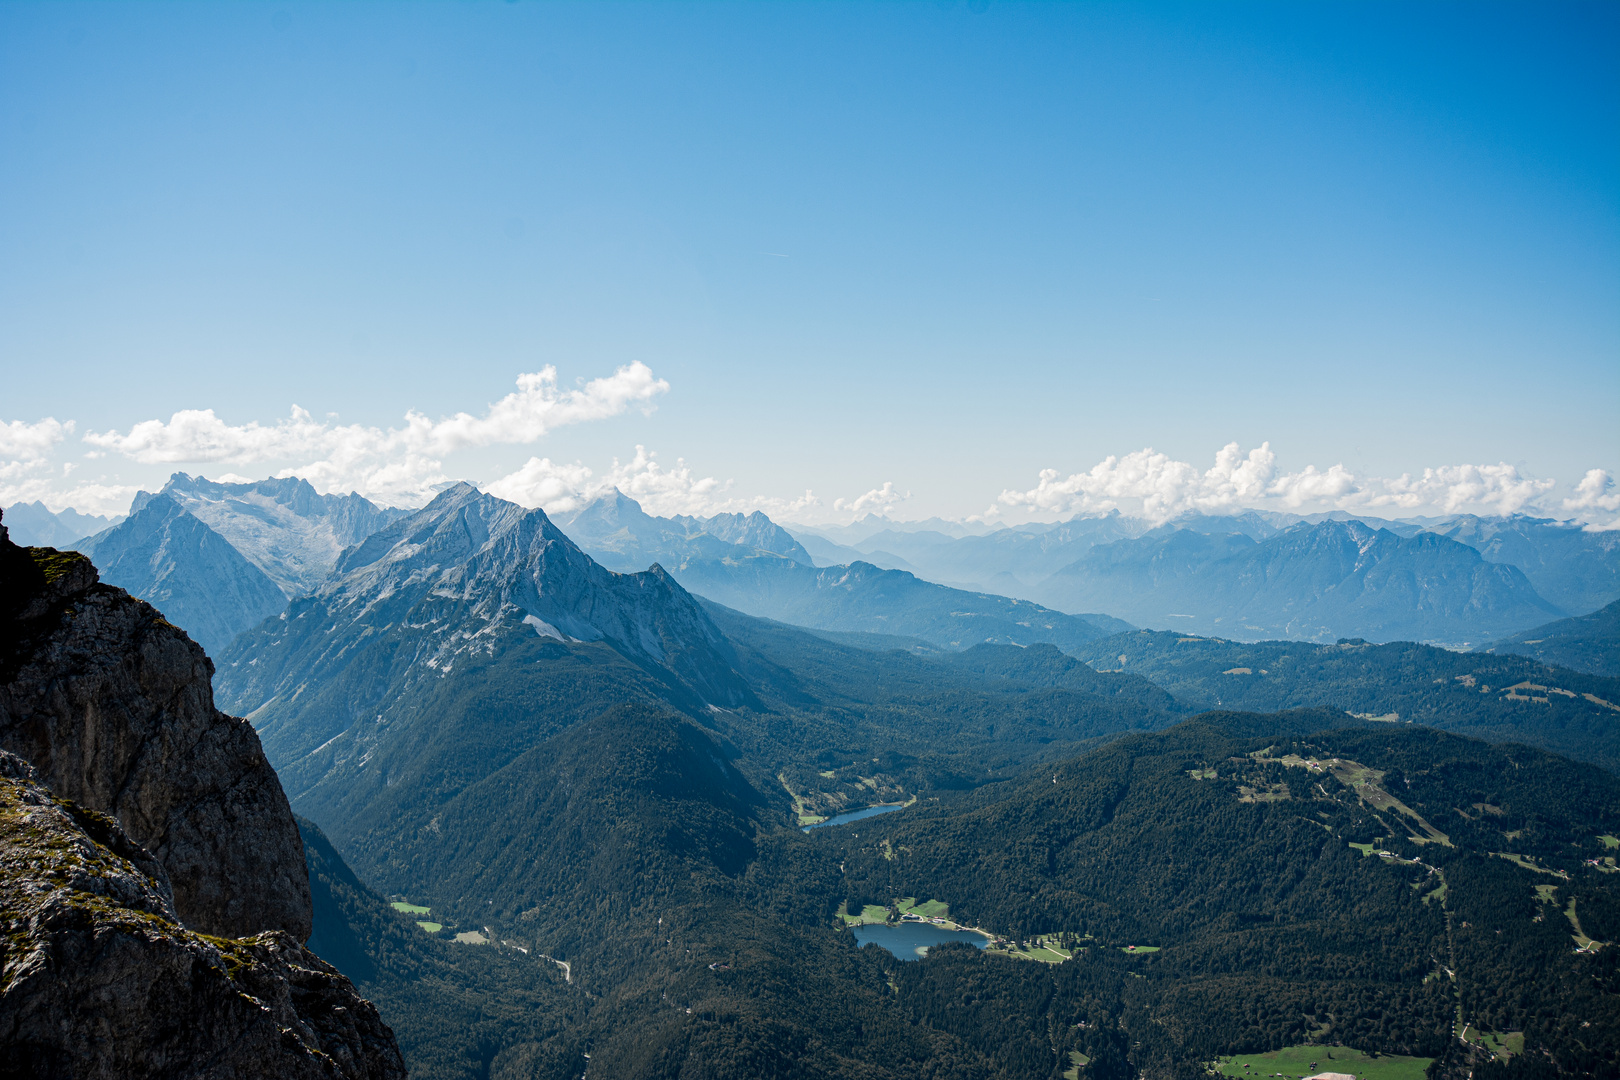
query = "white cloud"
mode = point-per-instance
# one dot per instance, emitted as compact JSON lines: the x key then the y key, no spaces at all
{"x":561,"y":488}
{"x":667,"y":491}
{"x":1158,"y":488}
{"x":1452,"y":489}
{"x":21,"y":441}
{"x":555,"y":488}
{"x":877,"y":501}
{"x":1594,"y":495}
{"x":393,"y":464}
{"x":1596,"y":491}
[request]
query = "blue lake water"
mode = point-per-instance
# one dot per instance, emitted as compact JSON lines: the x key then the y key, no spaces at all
{"x":853,"y":815}
{"x":911,"y":941}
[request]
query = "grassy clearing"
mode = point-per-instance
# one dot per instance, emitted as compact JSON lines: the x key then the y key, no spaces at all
{"x":472,"y":937}
{"x":805,"y":816}
{"x":1045,"y":955}
{"x":1525,"y":862}
{"x":1136,"y":950}
{"x":1300,"y":1061}
{"x":928,"y":909}
{"x":1610,"y":841}
{"x":1077,"y":1061}
{"x":1500,"y":1044}
{"x":1365,"y":849}
{"x":1047,"y":948}
{"x":410,"y":909}
{"x":431,"y":927}
{"x":871,"y":913}
{"x":906,"y":905}
{"x":1582,"y":939}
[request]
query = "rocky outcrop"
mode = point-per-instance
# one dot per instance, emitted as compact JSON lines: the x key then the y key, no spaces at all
{"x":99,"y":980}
{"x":113,"y":706}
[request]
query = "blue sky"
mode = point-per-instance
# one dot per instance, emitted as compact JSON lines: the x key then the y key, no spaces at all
{"x":944,"y":246}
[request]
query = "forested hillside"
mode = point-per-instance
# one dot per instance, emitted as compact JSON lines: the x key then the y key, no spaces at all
{"x":1229,"y":845}
{"x":1502,"y":698}
{"x":1589,"y":643}
{"x":1237,"y":883}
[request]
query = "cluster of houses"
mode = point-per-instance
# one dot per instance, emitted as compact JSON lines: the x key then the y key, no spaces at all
{"x":912,"y":916}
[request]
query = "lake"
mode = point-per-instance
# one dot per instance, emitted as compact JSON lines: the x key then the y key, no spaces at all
{"x":911,"y":941}
{"x":853,"y":815}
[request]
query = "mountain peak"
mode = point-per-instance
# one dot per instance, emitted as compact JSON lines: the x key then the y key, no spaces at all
{"x":442,"y":586}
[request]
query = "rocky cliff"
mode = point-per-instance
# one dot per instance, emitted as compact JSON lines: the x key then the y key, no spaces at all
{"x":100,"y":980}
{"x":113,"y":706}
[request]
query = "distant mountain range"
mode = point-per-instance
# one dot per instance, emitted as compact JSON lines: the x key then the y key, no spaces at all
{"x":1256,"y":575}
{"x":35,"y":525}
{"x":217,"y":558}
{"x":1253,"y":576}
{"x":621,"y":536}
{"x":752,"y":565}
{"x":1310,"y":582}
{"x":282,"y":526}
{"x":198,"y":579}
{"x":1573,"y":568}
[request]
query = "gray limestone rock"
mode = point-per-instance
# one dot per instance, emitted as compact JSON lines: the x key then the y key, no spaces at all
{"x":100,"y":981}
{"x":113,"y":706}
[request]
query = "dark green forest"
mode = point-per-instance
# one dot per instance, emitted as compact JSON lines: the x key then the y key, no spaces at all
{"x":1502,"y":698}
{"x":629,"y":847}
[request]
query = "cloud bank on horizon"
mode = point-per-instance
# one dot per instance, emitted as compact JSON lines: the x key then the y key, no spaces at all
{"x":1158,"y":488}
{"x":406,"y":465}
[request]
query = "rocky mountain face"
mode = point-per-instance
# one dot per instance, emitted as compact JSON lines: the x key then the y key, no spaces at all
{"x":171,"y":559}
{"x":1312,"y":582}
{"x":102,"y":981}
{"x":282,"y":526}
{"x":111,"y":703}
{"x":621,"y":536}
{"x":153,"y":891}
{"x":1572,"y":568}
{"x":436,"y":589}
{"x":36,"y":525}
{"x":753,"y":530}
